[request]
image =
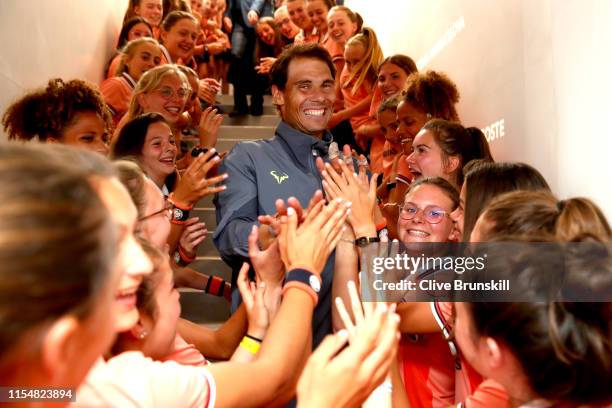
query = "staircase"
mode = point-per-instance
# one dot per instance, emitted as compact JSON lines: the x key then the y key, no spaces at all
{"x":196,"y":305}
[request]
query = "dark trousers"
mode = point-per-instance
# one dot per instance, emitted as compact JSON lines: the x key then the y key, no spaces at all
{"x":242,"y":71}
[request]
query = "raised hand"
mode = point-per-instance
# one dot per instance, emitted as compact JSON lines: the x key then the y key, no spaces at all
{"x":354,"y":188}
{"x":193,"y":184}
{"x":358,"y":369}
{"x":209,"y":127}
{"x":267,"y":263}
{"x":252,"y":17}
{"x":273,"y":221}
{"x":309,"y":245}
{"x":253,"y":298}
{"x":193,"y":234}
{"x":265,"y":64}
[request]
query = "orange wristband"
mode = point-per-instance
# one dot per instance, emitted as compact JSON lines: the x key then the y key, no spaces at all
{"x":178,"y":204}
{"x":302,"y":286}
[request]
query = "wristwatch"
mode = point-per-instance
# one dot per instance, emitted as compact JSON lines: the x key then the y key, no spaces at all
{"x":364,"y":241}
{"x":179,"y":215}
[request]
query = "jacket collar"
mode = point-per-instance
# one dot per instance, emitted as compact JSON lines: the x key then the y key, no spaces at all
{"x":301,"y":145}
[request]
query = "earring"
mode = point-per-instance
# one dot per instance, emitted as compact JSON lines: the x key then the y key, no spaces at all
{"x":142,"y":334}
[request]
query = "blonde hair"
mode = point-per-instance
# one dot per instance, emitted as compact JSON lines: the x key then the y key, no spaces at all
{"x":149,"y":81}
{"x":526,"y":213}
{"x":129,"y":50}
{"x":367,"y":68}
{"x":580,"y":216}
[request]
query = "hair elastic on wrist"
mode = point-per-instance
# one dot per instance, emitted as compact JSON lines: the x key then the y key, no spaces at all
{"x":257,"y":339}
{"x":184,"y":256}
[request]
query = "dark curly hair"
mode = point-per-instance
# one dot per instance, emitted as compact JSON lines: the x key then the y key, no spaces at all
{"x":434,"y":93}
{"x":47,"y":112}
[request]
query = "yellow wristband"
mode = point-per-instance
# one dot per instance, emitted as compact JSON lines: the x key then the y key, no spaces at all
{"x":250,"y":345}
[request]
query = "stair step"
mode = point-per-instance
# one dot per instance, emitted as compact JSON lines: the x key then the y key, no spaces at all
{"x":250,"y":132}
{"x":200,"y":307}
{"x":229,"y":100}
{"x":206,"y":215}
{"x":264,"y":120}
{"x":267,"y":109}
{"x":206,"y":202}
{"x":207,"y":247}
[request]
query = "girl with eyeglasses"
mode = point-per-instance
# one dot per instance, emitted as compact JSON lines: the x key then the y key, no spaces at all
{"x":427,"y":363}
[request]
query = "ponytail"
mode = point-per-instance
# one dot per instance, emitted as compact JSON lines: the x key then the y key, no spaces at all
{"x":579,"y":217}
{"x":367,"y":68}
{"x":455,"y":140}
{"x":525,"y":213}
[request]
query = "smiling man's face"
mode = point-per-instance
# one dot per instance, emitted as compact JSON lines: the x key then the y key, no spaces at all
{"x":307,"y":101}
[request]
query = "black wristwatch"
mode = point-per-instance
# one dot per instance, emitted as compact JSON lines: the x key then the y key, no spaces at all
{"x":179,"y":215}
{"x":364,"y":241}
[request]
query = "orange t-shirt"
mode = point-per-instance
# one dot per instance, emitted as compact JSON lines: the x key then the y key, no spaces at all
{"x":335,"y":50}
{"x":117,"y":93}
{"x":306,"y":38}
{"x":378,"y":142}
{"x":389,"y":157}
{"x":428,"y":370}
{"x":350,"y":99}
{"x":112,"y":68}
{"x":488,"y":394}
{"x":469,"y":385}
{"x":166,"y":58}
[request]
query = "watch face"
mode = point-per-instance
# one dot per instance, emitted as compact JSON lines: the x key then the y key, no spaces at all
{"x":361,"y":242}
{"x":178,"y":213}
{"x":177,"y":257}
{"x":314,"y":283}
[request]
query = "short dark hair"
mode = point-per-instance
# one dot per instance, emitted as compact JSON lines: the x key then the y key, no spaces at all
{"x":132,"y":136}
{"x":278,"y":72}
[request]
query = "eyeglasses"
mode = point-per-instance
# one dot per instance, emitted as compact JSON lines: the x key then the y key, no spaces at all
{"x":168,"y":93}
{"x":432,"y":214}
{"x":167,"y":211}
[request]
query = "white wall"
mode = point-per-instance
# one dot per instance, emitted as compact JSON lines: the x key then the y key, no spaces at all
{"x":43,"y":39}
{"x":544,"y":67}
